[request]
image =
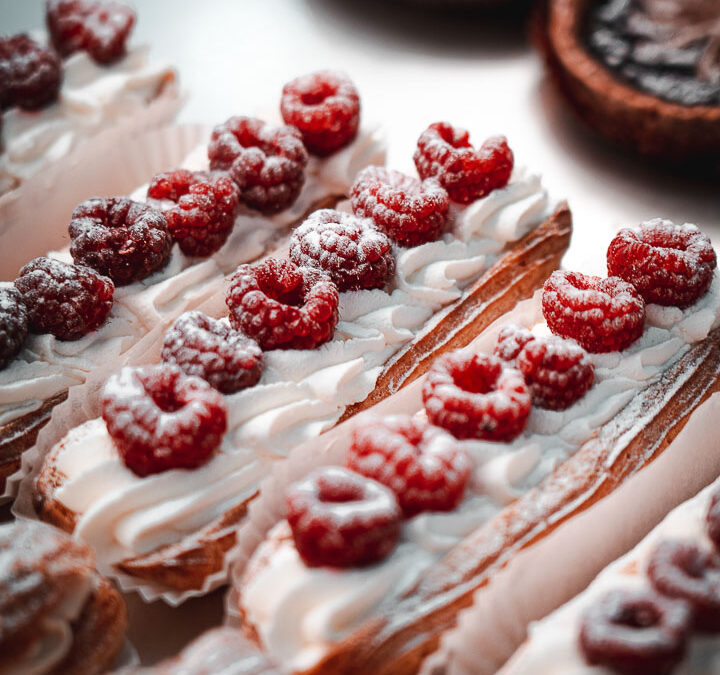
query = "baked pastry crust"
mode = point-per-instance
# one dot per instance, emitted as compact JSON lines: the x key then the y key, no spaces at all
{"x":646,"y":123}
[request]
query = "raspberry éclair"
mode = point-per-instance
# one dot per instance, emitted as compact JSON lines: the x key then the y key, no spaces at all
{"x":339,"y":518}
{"x":636,"y":632}
{"x":409,"y":211}
{"x":122,"y":239}
{"x":668,"y":264}
{"x":351,"y":250}
{"x":204,"y":215}
{"x":67,"y":301}
{"x":30,"y":76}
{"x":161,"y":419}
{"x":425,"y":468}
{"x":209,"y":348}
{"x":13,"y":324}
{"x":602,"y":315}
{"x":476,"y":396}
{"x":325,"y":107}
{"x":680,"y":569}
{"x":282,"y":305}
{"x":558,"y":372}
{"x":445,"y":152}
{"x":267,"y":163}
{"x":99,"y":28}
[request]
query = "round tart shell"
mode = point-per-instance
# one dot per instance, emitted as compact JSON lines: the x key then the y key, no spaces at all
{"x":646,"y":123}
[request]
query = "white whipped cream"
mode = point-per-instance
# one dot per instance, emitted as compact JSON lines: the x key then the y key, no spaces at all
{"x":300,"y":393}
{"x":553,"y":647}
{"x":92,"y":98}
{"x":47,"y":366}
{"x":502,"y":473}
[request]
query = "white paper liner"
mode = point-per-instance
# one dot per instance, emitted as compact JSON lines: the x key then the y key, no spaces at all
{"x":128,"y":658}
{"x":35,"y":215}
{"x":569,"y":557}
{"x":140,"y":158}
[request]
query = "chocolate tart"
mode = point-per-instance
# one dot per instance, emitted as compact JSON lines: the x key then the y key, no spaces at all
{"x":654,"y":113}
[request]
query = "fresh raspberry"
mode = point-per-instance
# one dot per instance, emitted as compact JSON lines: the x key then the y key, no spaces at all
{"x":557,"y":371}
{"x":444,"y":152}
{"x":30,"y":76}
{"x":99,"y":28}
{"x":680,"y":569}
{"x":342,"y":519}
{"x":668,"y":264}
{"x":123,"y":239}
{"x":160,"y":419}
{"x":325,"y":107}
{"x":635,"y":632}
{"x":602,"y":315}
{"x":65,"y":300}
{"x":283,"y":306}
{"x":510,"y":342}
{"x":713,"y":519}
{"x":409,"y":211}
{"x":424,"y":467}
{"x":476,"y":396}
{"x":13,"y":324}
{"x":351,"y":250}
{"x":205,"y":212}
{"x":210,"y":349}
{"x":267,"y":163}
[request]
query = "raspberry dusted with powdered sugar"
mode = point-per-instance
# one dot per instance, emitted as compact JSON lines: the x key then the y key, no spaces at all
{"x":444,"y":152}
{"x":407,"y":210}
{"x":351,"y":250}
{"x":13,"y":324}
{"x":30,"y":76}
{"x":267,"y":163}
{"x":205,"y":212}
{"x":99,"y":28}
{"x":669,"y":264}
{"x":325,"y":107}
{"x":557,"y":371}
{"x":635,"y":632}
{"x":67,"y":301}
{"x":602,"y":315}
{"x":120,"y":238}
{"x":342,"y":519}
{"x":211,"y":349}
{"x":476,"y":396}
{"x":425,"y":468}
{"x":511,"y":340}
{"x":160,"y":419}
{"x":283,"y":306}
{"x":680,"y":569}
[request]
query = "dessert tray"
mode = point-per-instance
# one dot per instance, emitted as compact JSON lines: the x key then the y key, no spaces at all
{"x":371,"y":406}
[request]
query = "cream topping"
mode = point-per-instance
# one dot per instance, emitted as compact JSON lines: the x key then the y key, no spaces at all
{"x":502,"y":472}
{"x":47,"y":366}
{"x":300,"y":394}
{"x":92,"y":98}
{"x":553,"y":647}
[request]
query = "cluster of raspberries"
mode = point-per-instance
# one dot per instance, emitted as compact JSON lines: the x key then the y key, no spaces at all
{"x":30,"y":74}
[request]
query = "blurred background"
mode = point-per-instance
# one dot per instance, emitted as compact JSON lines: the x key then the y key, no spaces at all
{"x":413,"y":63}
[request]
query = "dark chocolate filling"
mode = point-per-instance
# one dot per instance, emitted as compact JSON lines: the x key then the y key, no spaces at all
{"x":667,"y":48}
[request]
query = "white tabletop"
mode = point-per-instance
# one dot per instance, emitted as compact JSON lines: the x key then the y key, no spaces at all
{"x":412,"y":67}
